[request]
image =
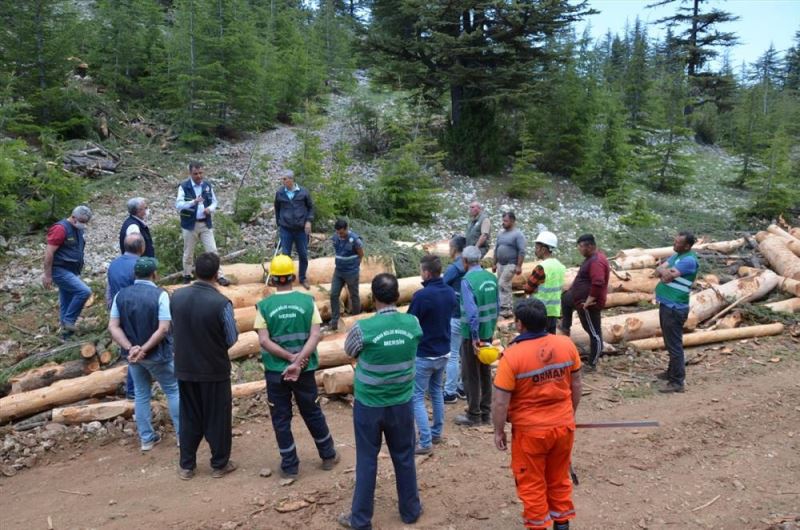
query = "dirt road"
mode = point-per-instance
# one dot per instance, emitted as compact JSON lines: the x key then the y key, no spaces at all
{"x":727,"y":455}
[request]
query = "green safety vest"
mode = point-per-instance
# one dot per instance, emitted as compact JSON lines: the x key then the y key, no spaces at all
{"x":678,"y":290}
{"x":288,"y":317}
{"x":385,"y":371}
{"x":484,"y":287}
{"x":550,"y":291}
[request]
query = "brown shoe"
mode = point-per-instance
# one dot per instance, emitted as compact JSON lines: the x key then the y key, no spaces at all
{"x":219,"y":473}
{"x":185,"y":474}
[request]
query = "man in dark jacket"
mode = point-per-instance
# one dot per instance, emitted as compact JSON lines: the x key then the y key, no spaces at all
{"x":432,"y":306}
{"x":588,"y":296}
{"x":204,"y":328}
{"x":63,"y":263}
{"x":294,"y":212}
{"x":136,"y":223}
{"x":349,"y":250}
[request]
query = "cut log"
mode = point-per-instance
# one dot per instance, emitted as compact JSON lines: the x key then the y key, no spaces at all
{"x":439,"y":248}
{"x":345,"y":323}
{"x":795,"y":232}
{"x":619,"y":299}
{"x":640,"y":261}
{"x":782,"y":260}
{"x":62,"y":392}
{"x":320,"y":270}
{"x":725,"y":247}
{"x":330,"y":350}
{"x":636,"y":283}
{"x":46,"y":375}
{"x":92,"y":365}
{"x":88,"y":350}
{"x":791,"y":305}
{"x":794,"y":246}
{"x":406,"y":286}
{"x":730,"y":321}
{"x":790,"y":286}
{"x":74,"y":415}
{"x":337,"y":380}
{"x":780,"y":232}
{"x":239,"y":295}
{"x":245,"y":318}
{"x":105,"y":357}
{"x":245,"y":346}
{"x":248,"y":389}
{"x":707,"y":337}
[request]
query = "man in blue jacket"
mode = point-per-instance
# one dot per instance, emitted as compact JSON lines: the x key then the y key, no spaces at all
{"x":453,"y":389}
{"x":432,"y":306}
{"x":349,"y":250}
{"x":294,"y":212}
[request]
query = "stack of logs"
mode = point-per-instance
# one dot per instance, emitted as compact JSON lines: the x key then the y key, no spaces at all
{"x":48,"y":388}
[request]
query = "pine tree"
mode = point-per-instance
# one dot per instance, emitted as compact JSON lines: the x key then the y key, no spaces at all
{"x":637,"y":78}
{"x":525,"y":178}
{"x":605,"y":165}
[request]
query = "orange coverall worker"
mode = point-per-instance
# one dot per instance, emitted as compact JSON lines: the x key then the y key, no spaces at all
{"x":537,"y":369}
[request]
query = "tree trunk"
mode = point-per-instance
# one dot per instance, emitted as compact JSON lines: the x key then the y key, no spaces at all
{"x":247,"y":295}
{"x":73,"y":415}
{"x":337,"y":380}
{"x":642,"y":261}
{"x":620,"y":299}
{"x":780,"y":232}
{"x":46,"y":375}
{"x":248,"y":389}
{"x":68,"y":391}
{"x":791,"y":305}
{"x":320,"y":271}
{"x":725,"y":247}
{"x":707,"y":337}
{"x":330,"y":350}
{"x":777,"y":252}
{"x":88,"y":350}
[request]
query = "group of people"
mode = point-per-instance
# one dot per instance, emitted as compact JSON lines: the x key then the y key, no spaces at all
{"x":431,"y":352}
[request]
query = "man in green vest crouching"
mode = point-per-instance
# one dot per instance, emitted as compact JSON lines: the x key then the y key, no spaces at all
{"x":386,"y":348}
{"x":677,"y":276}
{"x":547,"y":278}
{"x":480,"y":305}
{"x":288,"y":331}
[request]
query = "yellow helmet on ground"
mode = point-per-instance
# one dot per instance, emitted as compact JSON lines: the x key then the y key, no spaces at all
{"x":281,"y":265}
{"x":487,"y":354}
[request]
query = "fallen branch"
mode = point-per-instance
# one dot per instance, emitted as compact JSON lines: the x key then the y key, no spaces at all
{"x":706,"y":505}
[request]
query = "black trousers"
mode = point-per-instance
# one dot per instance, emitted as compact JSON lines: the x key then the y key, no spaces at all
{"x":672,"y":321}
{"x":205,"y":412}
{"x":552,"y":324}
{"x":590,"y":320}
{"x":279,"y":397}
{"x":477,"y":379}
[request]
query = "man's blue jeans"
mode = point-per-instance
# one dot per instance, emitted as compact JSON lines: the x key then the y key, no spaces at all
{"x":429,"y":375}
{"x":279,"y":398}
{"x":396,"y":423}
{"x":72,"y":294}
{"x":300,"y":240}
{"x":453,"y":382}
{"x":143,"y":373}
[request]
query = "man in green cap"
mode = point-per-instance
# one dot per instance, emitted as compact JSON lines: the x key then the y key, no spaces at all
{"x":140,"y":323}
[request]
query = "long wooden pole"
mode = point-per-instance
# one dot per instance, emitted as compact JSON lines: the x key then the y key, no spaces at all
{"x":707,"y":337}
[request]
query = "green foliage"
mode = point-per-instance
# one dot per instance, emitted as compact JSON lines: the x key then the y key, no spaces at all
{"x":663,"y":167}
{"x":247,"y":205}
{"x":168,"y":241}
{"x":345,"y":197}
{"x":639,"y":214}
{"x":525,"y":178}
{"x":33,"y":193}
{"x":368,"y":123}
{"x":476,"y":144}
{"x":604,"y":167}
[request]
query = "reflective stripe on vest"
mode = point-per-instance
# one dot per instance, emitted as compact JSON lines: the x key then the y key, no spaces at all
{"x":386,"y":367}
{"x":677,"y":291}
{"x":290,"y":336}
{"x":378,"y":381}
{"x":550,"y":291}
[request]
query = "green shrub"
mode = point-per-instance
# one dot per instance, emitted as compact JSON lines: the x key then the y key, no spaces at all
{"x":405,"y":191}
{"x":168,"y":241}
{"x":525,"y":178}
{"x":639,"y":215}
{"x":247,"y":205}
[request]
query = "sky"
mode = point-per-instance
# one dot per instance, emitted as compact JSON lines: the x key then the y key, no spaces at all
{"x":760,"y":23}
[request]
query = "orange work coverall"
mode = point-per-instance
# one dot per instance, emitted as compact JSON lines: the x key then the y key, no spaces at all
{"x":538,"y":374}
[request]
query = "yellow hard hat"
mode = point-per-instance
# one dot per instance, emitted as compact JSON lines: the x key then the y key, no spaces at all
{"x":281,"y":265}
{"x":487,"y":354}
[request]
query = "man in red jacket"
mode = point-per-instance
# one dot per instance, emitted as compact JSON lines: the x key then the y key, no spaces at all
{"x":587,"y":296}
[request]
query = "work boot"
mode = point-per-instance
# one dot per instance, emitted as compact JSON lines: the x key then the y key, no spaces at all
{"x":329,"y":463}
{"x":561,"y":526}
{"x":344,"y":520}
{"x":305,"y":284}
{"x":230,"y":467}
{"x":449,"y":399}
{"x":187,"y":280}
{"x":461,"y":394}
{"x":466,"y":420}
{"x":419,"y":450}
{"x":670,"y":388}
{"x":486,"y":419}
{"x":223,"y":281}
{"x":185,"y":474}
{"x":663,"y":376}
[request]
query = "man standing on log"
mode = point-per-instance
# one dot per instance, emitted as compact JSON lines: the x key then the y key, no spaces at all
{"x":588,"y":296}
{"x":480,"y":307}
{"x":385,"y":346}
{"x":140,"y":323}
{"x":432,"y":305}
{"x":294,"y":212}
{"x":138,"y":212}
{"x":478,"y":228}
{"x":349,"y":250}
{"x":453,"y":389}
{"x":509,"y":253}
{"x":287,"y":323}
{"x":547,"y":278}
{"x":196,"y":203}
{"x":677,"y":276}
{"x":204,"y":329}
{"x":538,"y":389}
{"x":120,"y":275}
{"x":63,"y":263}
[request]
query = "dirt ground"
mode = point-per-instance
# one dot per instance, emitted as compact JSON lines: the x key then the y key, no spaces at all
{"x":726,"y":455}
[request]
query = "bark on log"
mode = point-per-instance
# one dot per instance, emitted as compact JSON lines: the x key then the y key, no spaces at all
{"x":725,"y":247}
{"x":62,"y":392}
{"x":320,"y":270}
{"x":707,"y":337}
{"x":787,"y":285}
{"x":73,"y":415}
{"x":88,"y":350}
{"x":782,"y":260}
{"x":791,"y":305}
{"x":338,"y":380}
{"x":620,"y":299}
{"x":636,"y":284}
{"x":46,"y":375}
{"x":640,"y":261}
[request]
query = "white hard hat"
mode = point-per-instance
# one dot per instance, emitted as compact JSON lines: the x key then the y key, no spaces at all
{"x":547,"y":238}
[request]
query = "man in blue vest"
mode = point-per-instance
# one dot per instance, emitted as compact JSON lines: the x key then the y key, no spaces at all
{"x":385,"y":346}
{"x":63,"y":263}
{"x":138,"y":212}
{"x":140,"y":323}
{"x":294,"y":212}
{"x":121,"y":275}
{"x":196,"y":204}
{"x":349,"y":250}
{"x":677,"y":275}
